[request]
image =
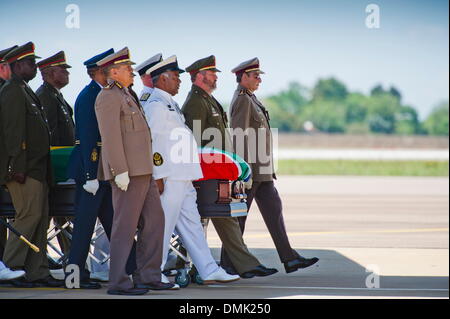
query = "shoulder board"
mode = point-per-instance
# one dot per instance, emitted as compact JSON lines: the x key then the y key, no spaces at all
{"x":202,"y":94}
{"x":244,"y":92}
{"x":144,"y":97}
{"x":109,"y":86}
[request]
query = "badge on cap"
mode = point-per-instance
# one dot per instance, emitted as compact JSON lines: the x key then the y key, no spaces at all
{"x":157,"y":159}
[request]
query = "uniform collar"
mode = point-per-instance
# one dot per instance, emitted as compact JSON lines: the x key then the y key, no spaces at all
{"x":163,"y":94}
{"x":101,"y":86}
{"x":242,"y":89}
{"x":51,"y":88}
{"x":147,"y":89}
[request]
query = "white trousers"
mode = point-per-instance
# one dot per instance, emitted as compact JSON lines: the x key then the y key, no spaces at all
{"x":101,"y":250}
{"x":179,"y":202}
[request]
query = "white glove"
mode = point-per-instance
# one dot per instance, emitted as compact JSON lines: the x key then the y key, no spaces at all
{"x":122,"y":181}
{"x":91,"y":186}
{"x":248,"y":184}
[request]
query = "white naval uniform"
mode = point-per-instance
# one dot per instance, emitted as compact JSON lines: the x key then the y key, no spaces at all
{"x":174,"y":141}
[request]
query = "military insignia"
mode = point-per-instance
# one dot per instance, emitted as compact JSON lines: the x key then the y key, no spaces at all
{"x":94,"y":155}
{"x":170,"y":107}
{"x":242,"y":92}
{"x":24,"y":146}
{"x":157,"y":159}
{"x":144,"y":97}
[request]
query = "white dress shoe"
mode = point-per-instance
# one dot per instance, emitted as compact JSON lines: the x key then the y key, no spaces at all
{"x":8,"y":274}
{"x":220,"y":276}
{"x":165,"y":280}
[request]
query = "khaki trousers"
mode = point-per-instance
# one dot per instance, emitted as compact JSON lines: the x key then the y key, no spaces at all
{"x":30,"y":201}
{"x":139,"y":208}
{"x":233,"y":244}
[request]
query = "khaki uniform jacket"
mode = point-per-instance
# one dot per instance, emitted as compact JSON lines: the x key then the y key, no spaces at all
{"x":59,"y":115}
{"x":24,"y":133}
{"x":247,"y":112}
{"x":202,"y":107}
{"x":126,"y":137}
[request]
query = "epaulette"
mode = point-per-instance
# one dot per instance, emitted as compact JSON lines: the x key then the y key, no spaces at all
{"x":200,"y":93}
{"x":111,"y":85}
{"x":245,"y":91}
{"x":144,"y":97}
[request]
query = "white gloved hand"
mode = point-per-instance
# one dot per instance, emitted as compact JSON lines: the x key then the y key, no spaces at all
{"x":248,"y":184}
{"x":122,"y":181}
{"x":91,"y":186}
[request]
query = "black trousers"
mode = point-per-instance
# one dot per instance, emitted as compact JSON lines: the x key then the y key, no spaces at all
{"x":270,"y":206}
{"x":3,"y":233}
{"x":87,"y":208}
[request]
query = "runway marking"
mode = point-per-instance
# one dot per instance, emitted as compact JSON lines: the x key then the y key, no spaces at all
{"x":331,"y":288}
{"x":296,"y":234}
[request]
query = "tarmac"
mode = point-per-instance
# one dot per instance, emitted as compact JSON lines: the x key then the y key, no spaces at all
{"x":376,"y":237}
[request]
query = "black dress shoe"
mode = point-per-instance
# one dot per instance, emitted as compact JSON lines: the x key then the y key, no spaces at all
{"x":299,"y":262}
{"x":259,"y":271}
{"x":129,"y":292}
{"x":49,"y":281}
{"x":22,"y":283}
{"x":157,"y":285}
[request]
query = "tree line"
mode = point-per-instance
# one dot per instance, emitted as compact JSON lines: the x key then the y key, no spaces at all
{"x":330,"y":107}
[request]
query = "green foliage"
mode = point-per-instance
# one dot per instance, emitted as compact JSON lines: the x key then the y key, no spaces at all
{"x":329,"y":89}
{"x":333,"y":109}
{"x":327,"y":116}
{"x":437,"y":121}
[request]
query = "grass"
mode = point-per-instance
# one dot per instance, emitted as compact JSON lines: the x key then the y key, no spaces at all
{"x":363,"y":168}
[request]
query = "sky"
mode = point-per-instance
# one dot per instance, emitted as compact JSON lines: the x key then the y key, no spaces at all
{"x":295,"y":40}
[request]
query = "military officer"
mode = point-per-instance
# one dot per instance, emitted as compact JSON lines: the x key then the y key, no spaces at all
{"x":93,"y":198}
{"x":25,"y":168}
{"x":125,"y":162}
{"x":59,"y":115}
{"x":175,"y":175}
{"x":5,"y":75}
{"x":201,"y":107}
{"x":248,"y":113}
{"x":146,"y":78}
{"x":5,"y":70}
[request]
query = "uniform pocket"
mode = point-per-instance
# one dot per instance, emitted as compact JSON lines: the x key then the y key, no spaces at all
{"x":127,"y":122}
{"x":139,"y":123}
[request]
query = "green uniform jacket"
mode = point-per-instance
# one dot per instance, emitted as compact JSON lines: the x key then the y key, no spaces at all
{"x":203,"y":107}
{"x":59,"y":115}
{"x":24,"y":133}
{"x":247,"y":112}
